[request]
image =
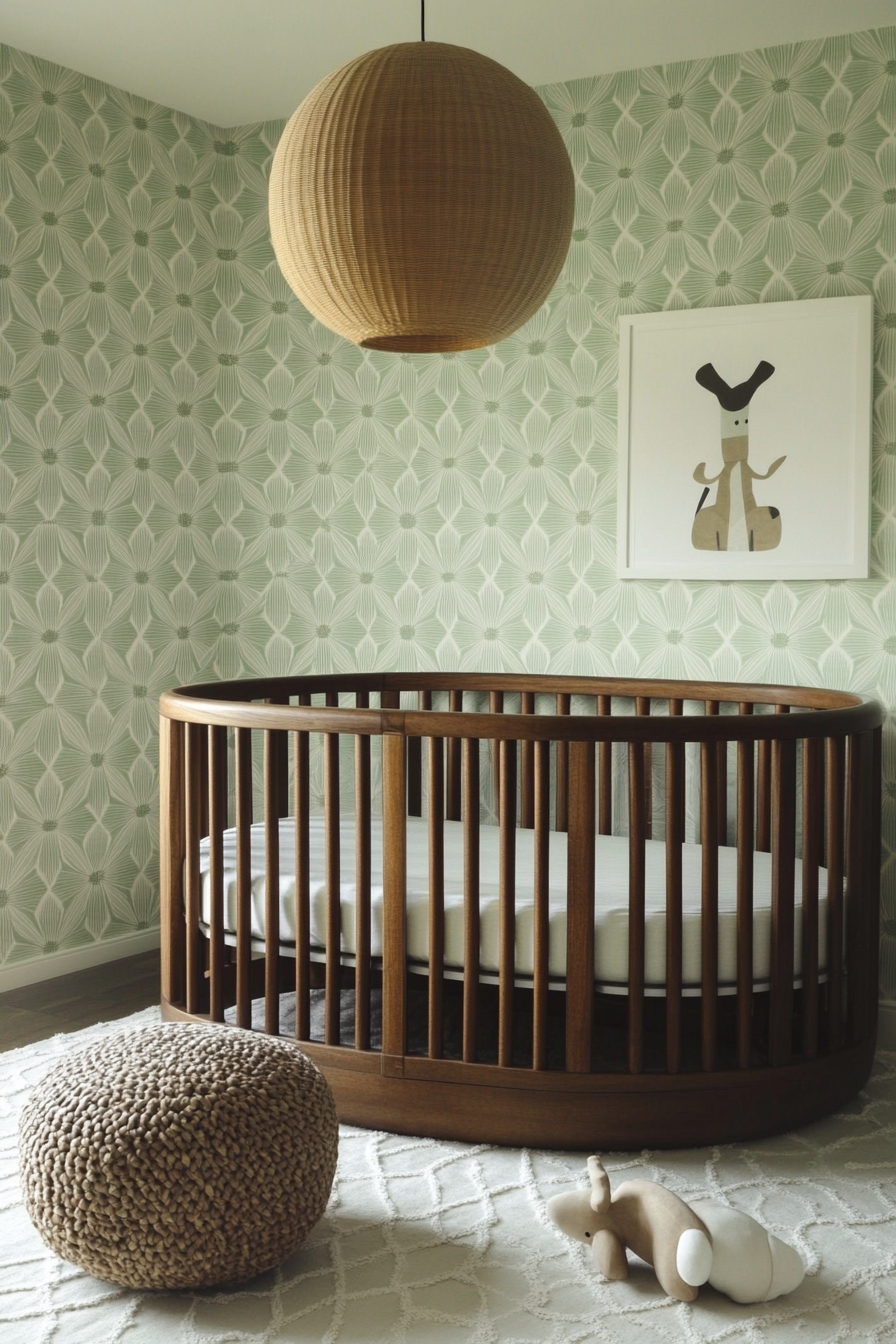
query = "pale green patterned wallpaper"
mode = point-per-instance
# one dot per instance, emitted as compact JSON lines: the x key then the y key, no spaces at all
{"x":199,"y":481}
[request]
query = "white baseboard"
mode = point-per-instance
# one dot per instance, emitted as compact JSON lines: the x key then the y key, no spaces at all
{"x":886,"y":1026}
{"x":80,"y":959}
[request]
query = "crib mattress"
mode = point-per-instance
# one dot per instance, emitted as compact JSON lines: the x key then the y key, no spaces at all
{"x":611,"y":902}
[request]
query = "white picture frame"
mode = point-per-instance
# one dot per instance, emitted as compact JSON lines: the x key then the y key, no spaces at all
{"x":814,"y":411}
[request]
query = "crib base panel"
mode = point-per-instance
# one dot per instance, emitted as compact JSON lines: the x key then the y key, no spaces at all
{"x":479,"y":1103}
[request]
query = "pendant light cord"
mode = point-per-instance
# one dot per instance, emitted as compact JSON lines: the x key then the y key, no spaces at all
{"x":422,"y":20}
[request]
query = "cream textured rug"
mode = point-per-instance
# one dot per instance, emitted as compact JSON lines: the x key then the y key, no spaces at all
{"x":447,"y":1242}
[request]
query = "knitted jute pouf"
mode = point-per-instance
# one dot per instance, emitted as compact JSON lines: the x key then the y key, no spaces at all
{"x":179,"y":1155}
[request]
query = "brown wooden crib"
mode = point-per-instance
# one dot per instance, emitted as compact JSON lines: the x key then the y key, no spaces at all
{"x":558,"y":911}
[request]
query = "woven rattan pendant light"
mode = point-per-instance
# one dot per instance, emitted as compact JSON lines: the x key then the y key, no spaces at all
{"x":421,"y":199}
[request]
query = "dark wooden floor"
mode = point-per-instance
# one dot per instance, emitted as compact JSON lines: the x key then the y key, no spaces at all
{"x":70,"y":1002}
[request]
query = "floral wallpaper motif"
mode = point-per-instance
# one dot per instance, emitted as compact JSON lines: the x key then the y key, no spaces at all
{"x":197,"y":480}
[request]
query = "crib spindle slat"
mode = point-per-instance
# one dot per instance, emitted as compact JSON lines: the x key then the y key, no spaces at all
{"x":415,"y":770}
{"x":541,"y":913}
{"x":780,"y":1036}
{"x":332,"y":880}
{"x":676,"y":711}
{"x":834,"y":862}
{"x":745,"y":822}
{"x":675,"y":813}
{"x":527,"y":768}
{"x":869,"y":858}
{"x":172,"y":849}
{"x":453,"y":752}
{"x":813,"y":816}
{"x":193,"y":773}
{"x":852,"y":956}
{"x":279,"y":745}
{"x":395,"y":990}
{"x":580,"y":909}
{"x":217,"y":823}
{"x":272,"y":794}
{"x":436,"y":822}
{"x":860,"y":977}
{"x":712,"y":711}
{"x":764,"y":792}
{"x":636,"y":877}
{"x":415,"y":777}
{"x":722,"y":777}
{"x":709,"y":914}
{"x":302,"y":805}
{"x":722,"y":817}
{"x":507,"y":901}
{"x":471,"y":897}
{"x":242,"y":769}
{"x":561,"y":771}
{"x":495,"y":706}
{"x":362,"y":886}
{"x":763,"y":796}
{"x":202,"y":774}
{"x":642,"y":708}
{"x":605,"y":772}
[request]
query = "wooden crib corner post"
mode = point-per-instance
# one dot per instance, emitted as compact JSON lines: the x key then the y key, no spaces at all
{"x":394,"y":899}
{"x":172,"y":849}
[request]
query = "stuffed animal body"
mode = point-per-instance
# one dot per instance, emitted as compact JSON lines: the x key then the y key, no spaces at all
{"x":749,"y":1263}
{"x":687,"y":1244}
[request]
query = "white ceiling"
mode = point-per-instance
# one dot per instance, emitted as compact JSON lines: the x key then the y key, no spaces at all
{"x":234,"y":61}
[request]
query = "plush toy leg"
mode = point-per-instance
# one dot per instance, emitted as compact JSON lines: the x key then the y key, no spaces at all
{"x":693,"y":1259}
{"x":609,"y":1255}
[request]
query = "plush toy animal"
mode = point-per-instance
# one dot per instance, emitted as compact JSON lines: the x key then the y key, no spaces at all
{"x":687,"y":1244}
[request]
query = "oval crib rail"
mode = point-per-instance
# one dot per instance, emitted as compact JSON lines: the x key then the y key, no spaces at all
{"x":293,"y":815}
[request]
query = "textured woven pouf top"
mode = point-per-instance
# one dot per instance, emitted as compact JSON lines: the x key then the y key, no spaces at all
{"x":179,"y":1155}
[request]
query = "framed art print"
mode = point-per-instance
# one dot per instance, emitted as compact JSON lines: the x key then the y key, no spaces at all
{"x":744,"y":441}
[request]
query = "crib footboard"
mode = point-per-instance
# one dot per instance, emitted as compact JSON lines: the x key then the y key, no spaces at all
{"x":569,"y":912}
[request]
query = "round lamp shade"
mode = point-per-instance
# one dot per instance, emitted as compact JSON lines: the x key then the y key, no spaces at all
{"x":421,"y":199}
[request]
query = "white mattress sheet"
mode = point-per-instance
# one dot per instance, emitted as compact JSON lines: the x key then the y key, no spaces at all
{"x":611,"y":900}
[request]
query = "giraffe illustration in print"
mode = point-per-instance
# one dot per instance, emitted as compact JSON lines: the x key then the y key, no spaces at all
{"x":735,"y":522}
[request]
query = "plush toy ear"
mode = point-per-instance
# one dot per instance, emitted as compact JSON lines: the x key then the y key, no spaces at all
{"x":600,"y":1185}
